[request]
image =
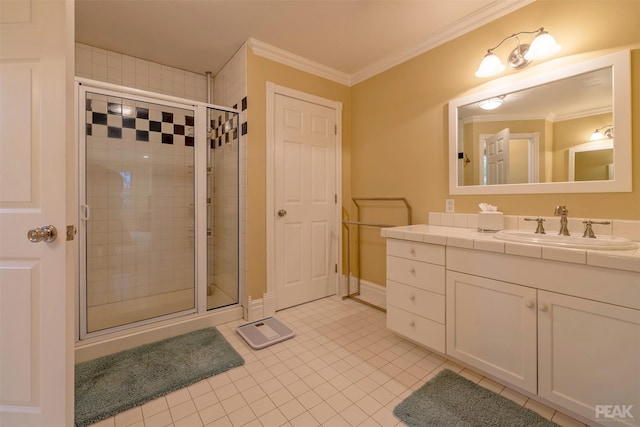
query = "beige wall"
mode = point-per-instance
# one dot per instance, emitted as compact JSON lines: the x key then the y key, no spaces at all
{"x":593,"y":165}
{"x":259,"y":72}
{"x":571,"y":133}
{"x":518,"y":161}
{"x":395,"y":137}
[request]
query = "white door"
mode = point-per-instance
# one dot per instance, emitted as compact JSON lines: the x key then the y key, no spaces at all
{"x":305,"y":201}
{"x":589,"y":358}
{"x":497,"y":156}
{"x":36,"y":369}
{"x":492,"y":325}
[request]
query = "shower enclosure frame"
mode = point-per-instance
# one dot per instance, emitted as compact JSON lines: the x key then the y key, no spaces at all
{"x":200,"y":110}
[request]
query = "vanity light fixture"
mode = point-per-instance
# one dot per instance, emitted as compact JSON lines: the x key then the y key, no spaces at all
{"x":491,"y":103}
{"x":542,"y":46}
{"x":605,"y":132}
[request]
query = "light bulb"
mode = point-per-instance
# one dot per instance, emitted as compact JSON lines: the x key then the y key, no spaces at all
{"x":490,"y":66}
{"x":542,"y":46}
{"x":490,"y":104}
{"x":596,"y":136}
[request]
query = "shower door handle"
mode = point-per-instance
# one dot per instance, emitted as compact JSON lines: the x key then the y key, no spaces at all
{"x":48,"y":233}
{"x":87,"y":212}
{"x":282,"y":212}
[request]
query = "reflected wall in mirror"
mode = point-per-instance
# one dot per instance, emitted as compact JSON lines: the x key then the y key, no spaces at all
{"x":592,"y":162}
{"x":529,"y":143}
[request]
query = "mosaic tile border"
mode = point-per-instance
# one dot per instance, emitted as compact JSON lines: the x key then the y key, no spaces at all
{"x":120,"y":121}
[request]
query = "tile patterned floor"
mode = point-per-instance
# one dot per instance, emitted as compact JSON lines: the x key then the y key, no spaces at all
{"x":343,"y":368}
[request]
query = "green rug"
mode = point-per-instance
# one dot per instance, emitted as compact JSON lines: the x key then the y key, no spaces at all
{"x":449,"y":399}
{"x":117,"y":382}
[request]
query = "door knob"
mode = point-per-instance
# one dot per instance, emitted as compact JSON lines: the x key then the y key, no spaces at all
{"x":282,"y":212}
{"x":48,"y":233}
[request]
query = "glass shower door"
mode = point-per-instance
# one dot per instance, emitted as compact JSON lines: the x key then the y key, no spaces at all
{"x":139,"y":196}
{"x":223,"y":212}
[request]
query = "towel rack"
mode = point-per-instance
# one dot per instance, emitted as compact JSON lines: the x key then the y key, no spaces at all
{"x":346,"y":225}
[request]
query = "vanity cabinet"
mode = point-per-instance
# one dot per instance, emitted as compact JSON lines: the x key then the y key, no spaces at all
{"x":588,"y":354}
{"x":416,"y":292}
{"x":563,"y":345}
{"x":491,"y":325}
{"x":554,"y":323}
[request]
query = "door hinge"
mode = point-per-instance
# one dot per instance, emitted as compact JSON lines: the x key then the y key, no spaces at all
{"x":335,"y":198}
{"x":336,"y":267}
{"x":335,"y":129}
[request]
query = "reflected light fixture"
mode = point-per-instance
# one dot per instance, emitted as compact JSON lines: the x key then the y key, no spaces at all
{"x":542,"y":46}
{"x":491,"y":103}
{"x":605,"y":132}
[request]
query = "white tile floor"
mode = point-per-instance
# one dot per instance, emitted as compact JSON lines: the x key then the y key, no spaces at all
{"x":343,"y":368}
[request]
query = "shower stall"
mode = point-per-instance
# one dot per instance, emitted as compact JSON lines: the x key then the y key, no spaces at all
{"x":159,"y":208}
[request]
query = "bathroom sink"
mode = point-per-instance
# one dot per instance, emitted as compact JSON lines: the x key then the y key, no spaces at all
{"x":610,"y":243}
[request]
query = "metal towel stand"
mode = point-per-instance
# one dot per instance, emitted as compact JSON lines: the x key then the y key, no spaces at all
{"x":358,"y":223}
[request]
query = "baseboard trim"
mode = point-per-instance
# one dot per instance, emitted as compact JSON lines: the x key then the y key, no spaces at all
{"x":370,"y":292}
{"x":255,"y":309}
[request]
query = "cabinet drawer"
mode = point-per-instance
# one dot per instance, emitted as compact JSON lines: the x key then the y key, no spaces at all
{"x":417,"y":301}
{"x":422,"y":275}
{"x":424,"y":252}
{"x":416,"y":328}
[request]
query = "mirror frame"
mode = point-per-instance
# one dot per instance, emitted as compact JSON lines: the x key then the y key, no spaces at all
{"x":620,"y":62}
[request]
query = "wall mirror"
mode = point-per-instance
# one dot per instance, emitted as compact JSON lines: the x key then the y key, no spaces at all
{"x":539,"y":126}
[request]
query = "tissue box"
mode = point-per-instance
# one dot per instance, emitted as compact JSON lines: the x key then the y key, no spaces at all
{"x":490,"y":221}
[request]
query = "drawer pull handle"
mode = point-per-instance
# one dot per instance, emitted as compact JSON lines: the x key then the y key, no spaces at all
{"x":412,"y":251}
{"x":544,"y":308}
{"x":529,"y":304}
{"x":412,"y":270}
{"x":412,"y":324}
{"x":412,"y":297}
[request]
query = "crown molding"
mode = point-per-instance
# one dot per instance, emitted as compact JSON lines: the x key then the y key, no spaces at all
{"x":481,"y":17}
{"x":287,"y":58}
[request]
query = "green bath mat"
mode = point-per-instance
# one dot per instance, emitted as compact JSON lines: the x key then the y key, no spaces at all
{"x":449,"y":399}
{"x":117,"y":382}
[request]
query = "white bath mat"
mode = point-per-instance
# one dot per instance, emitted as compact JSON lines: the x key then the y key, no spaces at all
{"x":265,"y":332}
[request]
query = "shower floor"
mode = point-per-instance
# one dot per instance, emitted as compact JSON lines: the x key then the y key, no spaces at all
{"x":120,"y":313}
{"x":219,"y":298}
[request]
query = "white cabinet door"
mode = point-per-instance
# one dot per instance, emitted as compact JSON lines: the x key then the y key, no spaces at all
{"x":492,"y":325}
{"x":589,"y":357}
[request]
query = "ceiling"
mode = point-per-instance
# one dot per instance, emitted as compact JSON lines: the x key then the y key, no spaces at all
{"x":352,"y":37}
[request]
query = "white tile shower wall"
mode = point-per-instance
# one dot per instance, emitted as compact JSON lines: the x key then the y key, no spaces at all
{"x":230,"y":85}
{"x":112,"y":67}
{"x":141,"y":193}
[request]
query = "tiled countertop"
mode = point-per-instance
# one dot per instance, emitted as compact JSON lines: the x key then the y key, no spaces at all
{"x":468,"y":238}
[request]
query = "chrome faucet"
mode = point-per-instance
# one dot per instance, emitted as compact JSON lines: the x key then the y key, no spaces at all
{"x":562,"y":211}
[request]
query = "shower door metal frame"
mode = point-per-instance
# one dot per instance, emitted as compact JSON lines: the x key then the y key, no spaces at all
{"x":82,"y":86}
